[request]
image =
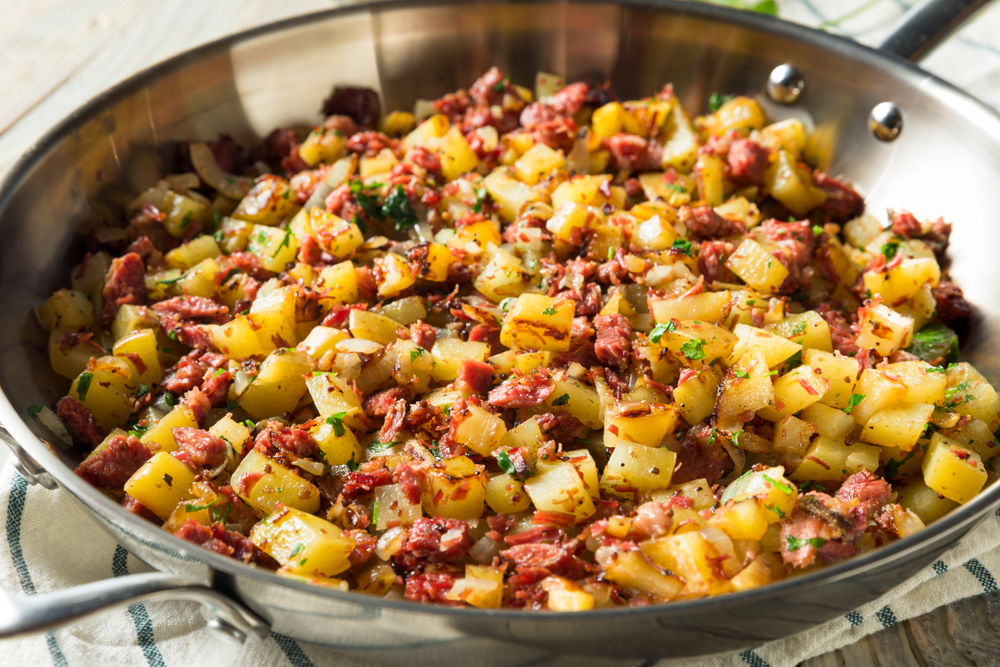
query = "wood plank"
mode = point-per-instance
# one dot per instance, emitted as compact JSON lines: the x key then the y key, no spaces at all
{"x":932,"y":641}
{"x":892,"y":647}
{"x":969,"y":627}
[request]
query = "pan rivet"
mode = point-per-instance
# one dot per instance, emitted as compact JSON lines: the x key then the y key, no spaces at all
{"x":886,"y":121}
{"x":785,"y":84}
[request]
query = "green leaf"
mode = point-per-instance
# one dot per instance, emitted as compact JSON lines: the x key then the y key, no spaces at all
{"x":712,"y":438}
{"x":716,"y":100}
{"x":367,"y":202}
{"x":284,"y":242}
{"x":794,"y":361}
{"x":297,"y":550}
{"x":562,"y":400}
{"x":853,"y":402}
{"x":375,"y":513}
{"x":352,"y":465}
{"x":505,"y":463}
{"x":374,"y":447}
{"x":784,"y":488}
{"x":189,"y":507}
{"x":397,"y":206}
{"x":935,"y":343}
{"x":415,"y":354}
{"x":683,"y":245}
{"x":250,"y":425}
{"x":170,"y":281}
{"x":776,"y":510}
{"x":480,"y":198}
{"x":692,"y":349}
{"x":664,"y":327}
{"x":34,"y":409}
{"x":356,"y":220}
{"x":83,"y":385}
{"x":795,"y":543}
{"x":337,"y":422}
{"x":507,"y":303}
{"x":742,"y":374}
{"x":549,"y":311}
{"x":170,"y":400}
{"x":892,"y":466}
{"x":817,"y":230}
{"x":143,"y":391}
{"x":799,"y":329}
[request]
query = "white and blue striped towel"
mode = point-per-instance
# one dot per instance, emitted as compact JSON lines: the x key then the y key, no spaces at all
{"x":39,"y":524}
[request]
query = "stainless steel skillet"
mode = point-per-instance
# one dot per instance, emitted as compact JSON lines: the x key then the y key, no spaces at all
{"x":945,"y":160}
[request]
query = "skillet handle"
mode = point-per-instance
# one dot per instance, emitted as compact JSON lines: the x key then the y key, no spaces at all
{"x":21,"y":616}
{"x":926,"y":25}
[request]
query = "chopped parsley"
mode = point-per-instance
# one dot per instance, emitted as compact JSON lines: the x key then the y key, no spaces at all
{"x":890,"y":249}
{"x":505,"y":463}
{"x":83,"y":385}
{"x":297,"y":550}
{"x":693,"y":349}
{"x":374,"y":447}
{"x":219,"y":515}
{"x":480,"y":198}
{"x":817,"y":230}
{"x":784,"y":488}
{"x":853,"y":402}
{"x":562,"y":400}
{"x":397,"y":206}
{"x":676,"y":188}
{"x":417,"y":353}
{"x":501,"y":85}
{"x":367,"y":202}
{"x":249,"y":424}
{"x":507,"y":303}
{"x":435,"y":449}
{"x":374,"y":514}
{"x":796,"y":543}
{"x":337,"y":422}
{"x":143,"y":391}
{"x":186,"y":220}
{"x":711,"y":439}
{"x":34,"y":409}
{"x":795,"y":360}
{"x":664,"y":327}
{"x":352,"y":465}
{"x":742,"y":374}
{"x":799,"y":328}
{"x":716,"y":100}
{"x":549,"y":311}
{"x":683,"y":245}
{"x":189,"y":507}
{"x":892,"y":466}
{"x":934,"y":343}
{"x":170,"y":281}
{"x":284,"y":242}
{"x":776,"y":510}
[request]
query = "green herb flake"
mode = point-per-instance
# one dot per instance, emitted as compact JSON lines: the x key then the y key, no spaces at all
{"x":375,"y":513}
{"x":890,"y":249}
{"x":170,"y":281}
{"x":352,"y":465}
{"x":142,"y":392}
{"x":935,"y":343}
{"x":505,"y":463}
{"x":693,"y":349}
{"x":186,"y":220}
{"x":189,"y":507}
{"x":34,"y":409}
{"x":501,"y":85}
{"x":549,"y":311}
{"x":284,"y":242}
{"x":712,"y":438}
{"x":376,"y":447}
{"x":742,"y":374}
{"x":397,"y":206}
{"x":776,"y":510}
{"x":480,"y":198}
{"x":817,"y":230}
{"x":337,"y":422}
{"x":853,"y":402}
{"x":416,"y":354}
{"x":297,"y":550}
{"x":664,"y":327}
{"x":683,"y":245}
{"x":799,"y":329}
{"x":796,"y":543}
{"x":716,"y":100}
{"x":83,"y":385}
{"x":784,"y":488}
{"x":562,"y":400}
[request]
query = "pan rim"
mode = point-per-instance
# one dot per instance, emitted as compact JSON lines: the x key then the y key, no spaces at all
{"x":96,"y":502}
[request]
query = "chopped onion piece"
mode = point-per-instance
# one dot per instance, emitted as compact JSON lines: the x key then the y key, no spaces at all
{"x":310,"y":466}
{"x":52,"y":422}
{"x":752,"y":484}
{"x":240,"y":381}
{"x":578,"y":161}
{"x":738,"y":457}
{"x":234,"y":187}
{"x":484,"y":550}
{"x":181,"y":183}
{"x":390,"y":543}
{"x":359,"y":345}
{"x":347,"y":365}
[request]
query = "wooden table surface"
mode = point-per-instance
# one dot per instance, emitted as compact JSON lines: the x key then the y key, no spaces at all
{"x":56,"y":54}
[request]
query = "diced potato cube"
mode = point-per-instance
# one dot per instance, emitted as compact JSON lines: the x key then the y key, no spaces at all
{"x":237,"y":339}
{"x":140,"y":348}
{"x":504,"y":276}
{"x":569,"y":222}
{"x":757,"y":267}
{"x":654,"y":234}
{"x":975,"y":434}
{"x":69,"y":356}
{"x":106,"y":388}
{"x":978,"y":399}
{"x":375,"y":165}
{"x":233,"y":432}
{"x":884,"y":330}
{"x":775,"y":349}
{"x":698,"y":490}
{"x":697,"y":344}
{"x":161,"y":436}
{"x":279,"y":385}
{"x":690,"y":556}
{"x":695,"y":396}
{"x":510,"y":194}
{"x":303,"y":543}
{"x":953,"y":471}
{"x":794,"y":391}
{"x":506,"y":495}
{"x":275,"y":484}
{"x":911,"y":274}
{"x":808,"y":329}
{"x":430,"y":261}
{"x":372,"y":326}
{"x":191,"y":253}
{"x":339,"y":237}
{"x":924,"y":383}
{"x":480,"y":233}
{"x":579,"y":400}
{"x":181,"y":211}
{"x":336,"y":442}
{"x":332,"y":396}
{"x":769,"y":486}
{"x":788,"y":135}
{"x":792,"y":436}
{"x":746,"y":388}
{"x":558,"y":487}
{"x":449,"y":353}
{"x":899,"y":426}
{"x":879,"y":389}
{"x":393,"y":275}
{"x":709,"y":170}
{"x":273,"y":246}
{"x":924,"y":501}
{"x":66,"y":310}
{"x":764,"y":569}
{"x":681,"y":147}
{"x":527,"y":434}
{"x":273,"y":317}
{"x":427,"y":134}
{"x":631,"y":571}
{"x":455,"y":488}
{"x":394,"y":507}
{"x":646,"y":424}
{"x":704,"y":307}
{"x":833,"y":459}
{"x":566,"y":595}
{"x":736,"y":114}
{"x":161,"y":483}
{"x":456,"y":156}
{"x":841,"y":372}
{"x":320,"y":341}
{"x":537,"y":322}
{"x":743,"y":520}
{"x":829,"y":420}
{"x":637,"y":467}
{"x":478,"y":429}
{"x":537,"y":163}
{"x":322,"y":145}
{"x":792,"y":185}
{"x":481,"y":587}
